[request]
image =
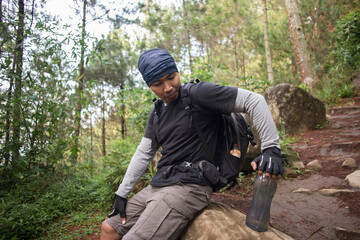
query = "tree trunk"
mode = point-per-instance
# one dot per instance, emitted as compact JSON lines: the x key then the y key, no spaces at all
{"x":80,"y":89}
{"x":234,"y":40}
{"x":302,"y":55}
{"x":148,"y":3}
{"x":236,"y":56}
{"x":103,"y":128}
{"x":19,"y":49}
{"x":91,"y":140}
{"x":267,"y":46}
{"x":123,"y":124}
{"x":122,"y":110}
{"x":186,"y":25}
{"x":1,"y":25}
{"x":8,"y":122}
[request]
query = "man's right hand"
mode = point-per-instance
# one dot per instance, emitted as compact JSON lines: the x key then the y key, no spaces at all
{"x":119,"y":207}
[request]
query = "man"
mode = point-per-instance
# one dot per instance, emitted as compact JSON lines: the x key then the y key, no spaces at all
{"x":177,"y":192}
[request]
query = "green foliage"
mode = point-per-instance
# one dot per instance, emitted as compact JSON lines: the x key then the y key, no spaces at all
{"x":335,"y":89}
{"x":118,"y":159}
{"x":204,"y":70}
{"x":347,"y":47}
{"x":304,"y":87}
{"x":346,"y":90}
{"x":285,"y":139}
{"x":256,"y":85}
{"x":26,"y":209}
{"x":139,"y":104}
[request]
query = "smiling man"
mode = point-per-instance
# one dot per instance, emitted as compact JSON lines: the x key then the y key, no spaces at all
{"x":178,"y":191}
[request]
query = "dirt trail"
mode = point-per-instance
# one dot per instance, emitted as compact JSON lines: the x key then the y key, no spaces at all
{"x":312,"y":215}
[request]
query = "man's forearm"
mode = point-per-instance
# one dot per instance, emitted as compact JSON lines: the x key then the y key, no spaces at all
{"x":256,"y":107}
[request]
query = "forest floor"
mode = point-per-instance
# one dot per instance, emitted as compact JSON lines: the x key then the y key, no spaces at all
{"x":312,"y":215}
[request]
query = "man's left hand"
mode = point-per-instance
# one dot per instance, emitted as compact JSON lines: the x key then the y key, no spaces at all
{"x":269,"y":161}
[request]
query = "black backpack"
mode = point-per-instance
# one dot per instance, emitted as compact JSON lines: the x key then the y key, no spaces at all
{"x":233,"y":130}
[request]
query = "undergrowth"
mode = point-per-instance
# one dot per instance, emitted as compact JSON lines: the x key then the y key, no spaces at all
{"x":27,"y":211}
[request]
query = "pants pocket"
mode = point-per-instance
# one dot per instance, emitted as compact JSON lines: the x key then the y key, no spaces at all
{"x":161,"y":221}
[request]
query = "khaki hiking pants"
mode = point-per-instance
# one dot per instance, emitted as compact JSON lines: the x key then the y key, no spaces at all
{"x":161,"y":212}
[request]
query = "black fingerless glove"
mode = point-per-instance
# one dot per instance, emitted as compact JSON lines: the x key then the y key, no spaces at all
{"x":270,"y":161}
{"x":119,"y":207}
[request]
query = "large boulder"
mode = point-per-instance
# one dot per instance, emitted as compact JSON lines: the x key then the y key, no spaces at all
{"x":294,"y":108}
{"x":219,"y":221}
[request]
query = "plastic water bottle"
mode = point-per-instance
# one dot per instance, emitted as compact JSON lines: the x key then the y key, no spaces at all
{"x":258,"y":215}
{"x":235,"y":151}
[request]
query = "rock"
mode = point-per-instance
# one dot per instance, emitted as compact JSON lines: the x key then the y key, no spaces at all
{"x":289,"y":173}
{"x":314,"y":166}
{"x":221,"y":222}
{"x":342,"y":233}
{"x":334,"y":192}
{"x":354,"y":179}
{"x":302,"y":190}
{"x":291,"y":156}
{"x":336,"y":125}
{"x":294,"y":108}
{"x":299,"y":165}
{"x":349,"y":163}
{"x":357,"y":146}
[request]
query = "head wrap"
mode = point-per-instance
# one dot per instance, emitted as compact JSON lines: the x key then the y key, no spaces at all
{"x":156,"y":63}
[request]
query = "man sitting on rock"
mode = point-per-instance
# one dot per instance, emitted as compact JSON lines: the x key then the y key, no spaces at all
{"x":177,"y":192}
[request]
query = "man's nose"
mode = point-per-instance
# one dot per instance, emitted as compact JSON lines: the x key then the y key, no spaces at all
{"x":167,"y":86}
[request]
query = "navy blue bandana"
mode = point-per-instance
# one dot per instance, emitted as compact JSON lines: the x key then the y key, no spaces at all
{"x":156,"y":63}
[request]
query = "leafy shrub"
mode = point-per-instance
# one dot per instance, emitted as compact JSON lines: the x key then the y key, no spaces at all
{"x":256,"y":85}
{"x":346,"y":91}
{"x":347,"y":46}
{"x":118,"y":159}
{"x":26,"y":209}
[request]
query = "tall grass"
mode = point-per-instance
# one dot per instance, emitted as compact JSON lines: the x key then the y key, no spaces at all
{"x":26,"y":209}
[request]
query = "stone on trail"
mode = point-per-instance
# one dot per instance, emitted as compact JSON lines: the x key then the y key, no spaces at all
{"x":303,"y":190}
{"x":314,"y":166}
{"x":354,"y":179}
{"x":342,"y":233}
{"x":294,"y":108}
{"x":222,"y":222}
{"x":334,"y":192}
{"x":349,"y":163}
{"x":289,"y":172}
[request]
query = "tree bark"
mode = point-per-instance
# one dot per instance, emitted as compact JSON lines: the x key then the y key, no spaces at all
{"x":267,"y":46}
{"x":8,"y":122}
{"x":122,"y":110}
{"x":302,"y":55}
{"x":18,"y":60}
{"x":186,"y":25}
{"x":148,"y":3}
{"x":123,"y":124}
{"x":103,"y":128}
{"x":91,"y":139}
{"x":80,"y":88}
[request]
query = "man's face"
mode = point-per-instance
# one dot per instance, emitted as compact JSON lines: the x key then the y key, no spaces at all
{"x":167,"y":87}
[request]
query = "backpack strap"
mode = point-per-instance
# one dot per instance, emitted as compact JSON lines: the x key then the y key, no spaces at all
{"x":186,"y":99}
{"x":158,"y":105}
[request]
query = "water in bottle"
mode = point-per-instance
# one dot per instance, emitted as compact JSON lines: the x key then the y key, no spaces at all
{"x":258,"y":215}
